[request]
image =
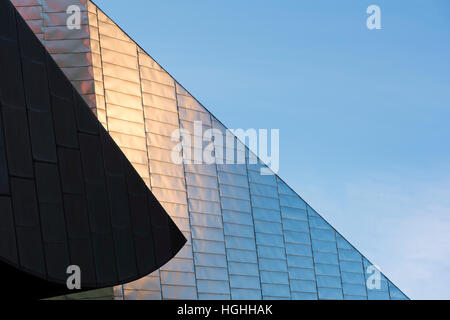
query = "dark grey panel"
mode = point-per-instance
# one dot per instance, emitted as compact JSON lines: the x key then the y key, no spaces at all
{"x":11,"y":86}
{"x":4,"y":179}
{"x":8,"y":247}
{"x":70,"y":171}
{"x":64,"y":122}
{"x":36,"y":85}
{"x":17,"y":142}
{"x":42,"y":135}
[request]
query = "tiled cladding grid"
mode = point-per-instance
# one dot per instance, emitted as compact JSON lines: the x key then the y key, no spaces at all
{"x":245,"y":282}
{"x":205,"y":210}
{"x":269,"y":235}
{"x":69,"y":47}
{"x":249,"y":236}
{"x":68,"y":193}
{"x":118,"y":89}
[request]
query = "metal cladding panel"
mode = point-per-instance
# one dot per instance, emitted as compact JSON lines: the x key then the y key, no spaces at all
{"x":167,"y":179}
{"x":272,"y":260}
{"x":117,"y":51}
{"x":205,"y":206}
{"x":353,"y":281}
{"x":70,"y":197}
{"x":238,"y":225}
{"x":70,"y":48}
{"x":249,"y":235}
{"x":299,"y":253}
{"x":326,"y":259}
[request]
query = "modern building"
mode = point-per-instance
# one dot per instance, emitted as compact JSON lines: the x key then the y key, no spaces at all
{"x":249,"y":235}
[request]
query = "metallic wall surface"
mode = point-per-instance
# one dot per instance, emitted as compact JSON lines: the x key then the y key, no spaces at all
{"x":205,"y":210}
{"x":249,"y":236}
{"x":70,"y":48}
{"x":68,"y":194}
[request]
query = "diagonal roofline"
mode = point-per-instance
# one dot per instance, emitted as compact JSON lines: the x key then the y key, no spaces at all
{"x":247,"y":148}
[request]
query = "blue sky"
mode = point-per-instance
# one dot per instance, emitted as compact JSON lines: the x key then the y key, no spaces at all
{"x":363,"y":114}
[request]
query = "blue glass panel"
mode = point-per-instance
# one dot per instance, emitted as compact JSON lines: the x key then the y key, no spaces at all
{"x":269,"y":239}
{"x":354,"y":278}
{"x":263,"y":190}
{"x":235,"y":205}
{"x":326,"y":258}
{"x":244,"y":282}
{"x":271,"y":252}
{"x":283,"y":188}
{"x":272,"y":265}
{"x":177,"y":278}
{"x":212,"y":296}
{"x":320,"y":234}
{"x":295,"y":225}
{"x":301,"y":274}
{"x":204,"y":246}
{"x":238,"y":230}
{"x":268,"y":227}
{"x":232,"y":179}
{"x":329,"y":281}
{"x":244,"y":269}
{"x":265,"y":203}
{"x":349,"y":255}
{"x":178,"y":292}
{"x":256,"y":177}
{"x":238,"y":255}
{"x":275,"y":290}
{"x":211,"y":273}
{"x":330,"y":293}
{"x":240,"y":243}
{"x":395,"y":293}
{"x":266,"y":215}
{"x":294,"y":213}
{"x":297,"y":237}
{"x":326,"y":269}
{"x":293,"y":202}
{"x":208,"y":220}
{"x":274,"y":277}
{"x":210,"y":286}
{"x":303,"y":296}
{"x":377,"y":295}
{"x":205,"y":233}
{"x":324,"y":246}
{"x":343,"y":244}
{"x":237,"y":217}
{"x":234,"y":192}
{"x":300,"y":262}
{"x":354,"y":289}
{"x":349,"y":297}
{"x":210,"y":260}
{"x":245,"y":294}
{"x":319,"y":223}
{"x":303,"y":286}
{"x":298,"y":249}
{"x":350,"y":266}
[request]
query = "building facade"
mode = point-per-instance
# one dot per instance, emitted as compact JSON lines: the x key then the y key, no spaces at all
{"x":250,"y":236}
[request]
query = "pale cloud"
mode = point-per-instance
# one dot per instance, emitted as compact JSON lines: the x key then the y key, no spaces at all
{"x":401,"y":224}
